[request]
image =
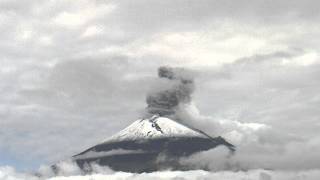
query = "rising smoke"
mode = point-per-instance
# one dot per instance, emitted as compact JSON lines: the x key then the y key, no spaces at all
{"x":180,"y":86}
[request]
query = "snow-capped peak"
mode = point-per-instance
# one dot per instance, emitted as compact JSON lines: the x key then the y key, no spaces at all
{"x":154,"y":127}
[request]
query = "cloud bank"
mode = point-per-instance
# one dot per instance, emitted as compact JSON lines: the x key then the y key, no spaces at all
{"x":7,"y":173}
{"x":73,"y":73}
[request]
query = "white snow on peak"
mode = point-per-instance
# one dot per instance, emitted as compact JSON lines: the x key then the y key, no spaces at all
{"x":154,"y":127}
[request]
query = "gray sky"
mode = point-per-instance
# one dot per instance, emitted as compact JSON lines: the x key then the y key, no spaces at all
{"x":74,"y":72}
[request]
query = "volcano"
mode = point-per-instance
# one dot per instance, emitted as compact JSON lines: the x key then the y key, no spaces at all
{"x":149,"y":144}
{"x":159,"y":141}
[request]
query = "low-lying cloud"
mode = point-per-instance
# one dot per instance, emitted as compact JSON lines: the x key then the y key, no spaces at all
{"x":257,"y":156}
{"x":102,"y":173}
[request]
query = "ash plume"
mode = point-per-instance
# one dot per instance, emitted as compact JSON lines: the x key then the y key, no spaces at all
{"x":177,"y":90}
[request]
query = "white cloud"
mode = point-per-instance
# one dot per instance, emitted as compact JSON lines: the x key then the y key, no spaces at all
{"x":85,"y":11}
{"x":68,"y":19}
{"x":92,"y":31}
{"x":7,"y":173}
{"x":304,"y":60}
{"x":75,"y":72}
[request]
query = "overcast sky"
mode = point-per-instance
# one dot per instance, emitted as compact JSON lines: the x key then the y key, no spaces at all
{"x":72,"y":73}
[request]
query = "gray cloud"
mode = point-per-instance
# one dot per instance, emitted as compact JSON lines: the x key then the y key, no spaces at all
{"x":178,"y":90}
{"x":257,"y":155}
{"x":73,"y":73}
{"x":182,"y":15}
{"x":277,"y":99}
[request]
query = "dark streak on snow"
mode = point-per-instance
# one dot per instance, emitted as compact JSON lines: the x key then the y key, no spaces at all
{"x":154,"y":123}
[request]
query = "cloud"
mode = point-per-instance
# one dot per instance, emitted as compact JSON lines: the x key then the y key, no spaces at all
{"x":256,"y":155}
{"x":7,"y":173}
{"x":170,"y":94}
{"x":183,"y":15}
{"x":73,"y":73}
{"x":74,"y":87}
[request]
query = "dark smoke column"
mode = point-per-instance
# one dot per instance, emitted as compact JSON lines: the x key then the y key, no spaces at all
{"x":166,"y":101}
